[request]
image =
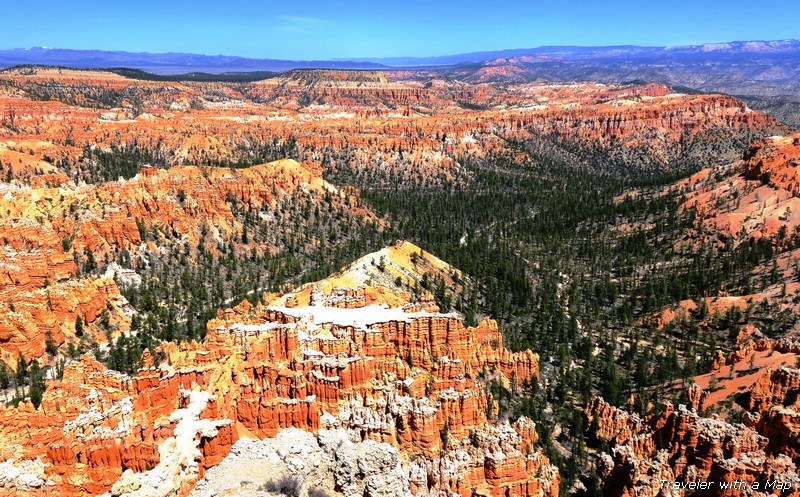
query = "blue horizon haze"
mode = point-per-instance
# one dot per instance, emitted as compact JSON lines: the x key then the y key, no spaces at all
{"x":306,"y":30}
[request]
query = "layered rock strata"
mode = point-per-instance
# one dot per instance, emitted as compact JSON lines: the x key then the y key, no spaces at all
{"x":405,"y":378}
{"x":678,"y":445}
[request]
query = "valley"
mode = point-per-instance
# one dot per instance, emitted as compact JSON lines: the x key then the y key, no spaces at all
{"x":470,"y":286}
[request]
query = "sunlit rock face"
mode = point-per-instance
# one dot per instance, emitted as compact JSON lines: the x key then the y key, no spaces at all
{"x":679,"y":445}
{"x":48,"y":230}
{"x":395,"y":126}
{"x":398,"y":384}
{"x":754,"y":197}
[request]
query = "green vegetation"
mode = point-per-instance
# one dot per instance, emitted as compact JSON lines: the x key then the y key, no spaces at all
{"x":27,"y":381}
{"x":548,"y":245}
{"x":226,"y":77}
{"x":549,"y":248}
{"x":542,"y":239}
{"x":288,"y":486}
{"x":185,"y":286}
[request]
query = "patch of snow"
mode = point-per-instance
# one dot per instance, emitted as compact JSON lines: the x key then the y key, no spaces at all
{"x":254,"y":328}
{"x":362,"y":318}
{"x":95,"y":415}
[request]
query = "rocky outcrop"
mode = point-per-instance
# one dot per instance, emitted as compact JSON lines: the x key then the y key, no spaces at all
{"x":757,"y":196}
{"x":781,"y":426}
{"x":775,"y":411}
{"x":40,"y":292}
{"x":775,"y":161}
{"x":393,"y":393}
{"x":115,"y":215}
{"x":329,"y":462}
{"x":429,"y":362}
{"x":26,"y":476}
{"x":366,"y":468}
{"x":678,"y":445}
{"x":96,"y":428}
{"x":49,"y":231}
{"x":779,"y":387}
{"x":499,"y":460}
{"x":391,"y":126}
{"x":180,"y":457}
{"x":29,"y":318}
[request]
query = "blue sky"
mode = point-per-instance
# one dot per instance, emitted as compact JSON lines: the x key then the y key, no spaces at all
{"x":324,"y":29}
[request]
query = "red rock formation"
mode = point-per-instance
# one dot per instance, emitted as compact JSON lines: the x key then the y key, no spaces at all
{"x":377,"y":123}
{"x":780,"y":387}
{"x":758,"y":196}
{"x":40,"y":293}
{"x":399,"y":379}
{"x":389,"y":124}
{"x":679,"y":445}
{"x":776,"y":162}
{"x":264,"y":368}
{"x":39,"y":287}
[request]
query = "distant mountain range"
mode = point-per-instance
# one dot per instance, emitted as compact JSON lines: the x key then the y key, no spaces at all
{"x":164,"y":63}
{"x":619,"y":52}
{"x":765,"y":73}
{"x":173,"y":63}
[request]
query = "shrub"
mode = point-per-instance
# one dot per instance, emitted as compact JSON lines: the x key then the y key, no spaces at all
{"x":317,"y":492}
{"x":288,"y":485}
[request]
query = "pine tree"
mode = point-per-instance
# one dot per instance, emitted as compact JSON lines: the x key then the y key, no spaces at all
{"x":713,"y":383}
{"x":22,"y":369}
{"x":37,"y":384}
{"x":50,"y":345}
{"x":5,"y":379}
{"x":78,"y":326}
{"x":90,"y":265}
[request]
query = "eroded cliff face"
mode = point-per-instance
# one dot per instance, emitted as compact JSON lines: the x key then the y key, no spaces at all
{"x":757,"y":383}
{"x":774,"y":411}
{"x":406,"y":376}
{"x":48,"y":231}
{"x":757,"y":196}
{"x":42,"y":295}
{"x":348,"y":355}
{"x":178,"y":202}
{"x":679,"y":445}
{"x":375,"y":127}
{"x":751,"y":202}
{"x":389,"y":126}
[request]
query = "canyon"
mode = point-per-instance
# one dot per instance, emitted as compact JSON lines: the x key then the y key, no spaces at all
{"x":57,"y":123}
{"x":389,"y":126}
{"x":47,"y":230}
{"x":406,"y":377}
{"x":746,"y":200}
{"x":172,"y":251}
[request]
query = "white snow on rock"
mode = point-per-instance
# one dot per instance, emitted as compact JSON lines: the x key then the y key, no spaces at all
{"x":123,"y":276}
{"x":361,"y":318}
{"x":254,"y":328}
{"x":92,"y":418}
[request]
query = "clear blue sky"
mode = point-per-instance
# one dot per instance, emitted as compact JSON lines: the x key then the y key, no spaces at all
{"x":324,"y":29}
